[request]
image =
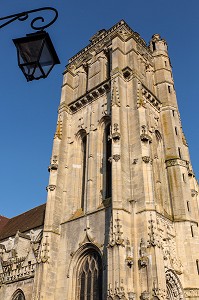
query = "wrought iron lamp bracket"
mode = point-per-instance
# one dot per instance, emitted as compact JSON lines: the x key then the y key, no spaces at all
{"x":23,"y":16}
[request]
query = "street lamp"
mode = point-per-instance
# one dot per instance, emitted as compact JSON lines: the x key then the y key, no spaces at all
{"x":36,"y":55}
{"x":35,"y":52}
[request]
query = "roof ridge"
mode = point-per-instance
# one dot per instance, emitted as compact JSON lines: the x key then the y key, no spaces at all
{"x":4,"y":217}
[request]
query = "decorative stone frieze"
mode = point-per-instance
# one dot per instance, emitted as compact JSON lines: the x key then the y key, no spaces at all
{"x":189,"y":293}
{"x":151,"y":99}
{"x":90,"y":96}
{"x":16,"y":274}
{"x":176,"y":162}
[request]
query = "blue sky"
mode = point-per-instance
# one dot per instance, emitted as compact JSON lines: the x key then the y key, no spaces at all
{"x":29,"y":110}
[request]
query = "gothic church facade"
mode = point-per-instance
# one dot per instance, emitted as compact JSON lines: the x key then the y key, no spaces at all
{"x":121,"y":218}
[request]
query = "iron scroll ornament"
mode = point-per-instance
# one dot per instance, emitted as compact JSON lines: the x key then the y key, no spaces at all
{"x":23,"y":16}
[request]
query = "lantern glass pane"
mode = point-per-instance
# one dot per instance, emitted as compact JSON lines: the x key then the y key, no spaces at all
{"x":38,"y":73}
{"x":46,"y":60}
{"x":29,"y":52}
{"x":28,"y":69}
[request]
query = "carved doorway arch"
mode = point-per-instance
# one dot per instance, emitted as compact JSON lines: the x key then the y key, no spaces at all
{"x":174,"y":288}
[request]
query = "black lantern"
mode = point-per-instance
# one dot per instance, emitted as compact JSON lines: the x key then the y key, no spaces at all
{"x":36,"y":55}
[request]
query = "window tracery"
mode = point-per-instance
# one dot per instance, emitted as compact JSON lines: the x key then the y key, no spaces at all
{"x":89,"y":279}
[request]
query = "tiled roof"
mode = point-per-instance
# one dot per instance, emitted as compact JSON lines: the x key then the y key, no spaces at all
{"x":28,"y":220}
{"x":3,"y":221}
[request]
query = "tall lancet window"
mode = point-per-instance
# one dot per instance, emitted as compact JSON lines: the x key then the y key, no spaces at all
{"x":89,"y":279}
{"x":107,"y":182}
{"x":83,"y":164}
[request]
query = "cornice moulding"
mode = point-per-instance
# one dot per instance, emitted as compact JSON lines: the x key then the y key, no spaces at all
{"x":107,"y":35}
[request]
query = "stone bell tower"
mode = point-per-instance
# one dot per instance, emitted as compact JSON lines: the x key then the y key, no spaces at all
{"x":122,"y":211}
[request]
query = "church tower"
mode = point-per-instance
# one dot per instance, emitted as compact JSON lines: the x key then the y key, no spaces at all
{"x":122,"y":211}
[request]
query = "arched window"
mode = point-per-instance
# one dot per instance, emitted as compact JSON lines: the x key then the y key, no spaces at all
{"x":89,"y":277}
{"x":107,"y":163}
{"x":18,"y":295}
{"x":158,"y":135}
